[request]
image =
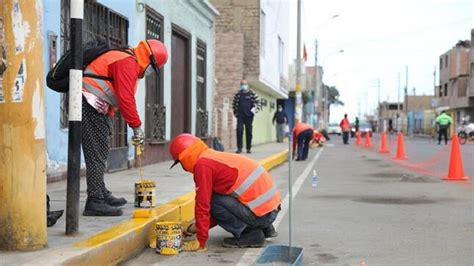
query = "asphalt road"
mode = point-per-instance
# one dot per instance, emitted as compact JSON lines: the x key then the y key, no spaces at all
{"x":366,"y":208}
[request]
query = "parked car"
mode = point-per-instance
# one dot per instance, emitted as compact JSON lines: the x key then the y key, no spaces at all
{"x":364,"y":128}
{"x":334,"y":128}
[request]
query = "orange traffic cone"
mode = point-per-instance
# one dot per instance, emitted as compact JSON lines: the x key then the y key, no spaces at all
{"x":383,"y":146}
{"x":400,"y":148}
{"x":456,"y":171}
{"x":358,"y":138}
{"x":368,"y":143}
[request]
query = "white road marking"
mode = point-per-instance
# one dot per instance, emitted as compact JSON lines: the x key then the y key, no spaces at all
{"x":250,"y":256}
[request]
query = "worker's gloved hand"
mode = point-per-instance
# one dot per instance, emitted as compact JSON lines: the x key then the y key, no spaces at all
{"x":192,"y":245}
{"x":138,"y":137}
{"x":189,"y":228}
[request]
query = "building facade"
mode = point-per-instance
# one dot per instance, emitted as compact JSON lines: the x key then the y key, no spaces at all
{"x":455,"y":94}
{"x":175,"y":100}
{"x":252,"y":44}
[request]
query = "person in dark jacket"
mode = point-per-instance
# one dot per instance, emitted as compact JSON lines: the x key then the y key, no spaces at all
{"x":281,"y":121}
{"x":245,"y":105}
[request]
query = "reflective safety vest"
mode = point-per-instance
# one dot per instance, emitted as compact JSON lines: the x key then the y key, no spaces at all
{"x":254,"y":186}
{"x":300,"y":127}
{"x":101,"y":88}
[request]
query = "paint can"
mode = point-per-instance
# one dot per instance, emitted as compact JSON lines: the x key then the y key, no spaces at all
{"x":145,"y":194}
{"x":168,"y":237}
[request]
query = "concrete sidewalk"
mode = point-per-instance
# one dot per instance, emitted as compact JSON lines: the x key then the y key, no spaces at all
{"x":170,"y":185}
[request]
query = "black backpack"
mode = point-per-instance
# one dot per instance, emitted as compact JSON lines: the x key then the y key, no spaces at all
{"x":58,"y":77}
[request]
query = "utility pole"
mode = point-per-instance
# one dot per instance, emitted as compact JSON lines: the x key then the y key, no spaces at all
{"x":379,"y":119}
{"x":405,"y":106}
{"x":398,"y":104}
{"x":75,"y":119}
{"x":23,"y":163}
{"x":298,"y":96}
{"x":316,"y":94}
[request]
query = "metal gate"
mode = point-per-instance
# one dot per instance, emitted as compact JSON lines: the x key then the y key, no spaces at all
{"x":155,"y":112}
{"x":100,"y":22}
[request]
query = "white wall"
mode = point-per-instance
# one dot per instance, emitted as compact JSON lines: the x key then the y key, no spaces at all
{"x":277,"y":14}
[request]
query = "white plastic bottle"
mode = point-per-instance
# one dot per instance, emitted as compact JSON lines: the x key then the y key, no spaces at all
{"x":314,"y":179}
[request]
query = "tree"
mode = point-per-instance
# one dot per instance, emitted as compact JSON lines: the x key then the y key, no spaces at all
{"x":332,"y":97}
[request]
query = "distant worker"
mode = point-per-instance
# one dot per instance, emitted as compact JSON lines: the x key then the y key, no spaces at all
{"x":245,"y":105}
{"x":444,"y":121}
{"x":101,"y":99}
{"x":232,"y":191}
{"x":281,"y":121}
{"x":302,"y":136}
{"x":356,"y":126}
{"x":345,"y":128}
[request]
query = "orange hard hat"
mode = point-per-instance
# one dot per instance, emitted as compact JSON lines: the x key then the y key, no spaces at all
{"x":159,"y":55}
{"x":179,"y":144}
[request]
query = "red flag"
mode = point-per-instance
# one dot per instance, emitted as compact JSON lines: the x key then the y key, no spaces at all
{"x":305,"y":54}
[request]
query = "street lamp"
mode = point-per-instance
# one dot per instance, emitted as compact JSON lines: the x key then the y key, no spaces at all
{"x":317,"y":74}
{"x":324,"y":98}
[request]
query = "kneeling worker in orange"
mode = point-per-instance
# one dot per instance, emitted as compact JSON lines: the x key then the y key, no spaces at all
{"x":232,"y":191}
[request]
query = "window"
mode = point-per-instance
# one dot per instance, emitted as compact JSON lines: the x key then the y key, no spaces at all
{"x":262,"y":33}
{"x":281,"y":55}
{"x":446,"y":61}
{"x":100,"y":23}
{"x":201,"y":90}
{"x":155,"y":111}
{"x":441,"y":63}
{"x":445,"y":89}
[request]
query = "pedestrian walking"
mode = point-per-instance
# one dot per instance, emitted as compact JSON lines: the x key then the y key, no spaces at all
{"x":232,"y":191}
{"x":281,"y":121}
{"x":101,"y":99}
{"x":302,"y":136}
{"x":245,"y":105}
{"x":346,"y":128}
{"x":443,"y":121}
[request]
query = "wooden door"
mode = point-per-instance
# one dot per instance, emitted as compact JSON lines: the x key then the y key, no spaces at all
{"x":180,"y":82}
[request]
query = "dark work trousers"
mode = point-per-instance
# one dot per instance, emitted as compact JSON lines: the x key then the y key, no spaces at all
{"x":234,"y":217}
{"x":247,"y":122}
{"x":345,"y":137}
{"x":96,"y":131}
{"x":443,"y":131}
{"x":303,"y":140}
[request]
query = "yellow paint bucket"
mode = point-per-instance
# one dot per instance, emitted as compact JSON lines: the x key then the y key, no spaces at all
{"x":168,"y":237}
{"x":145,"y":194}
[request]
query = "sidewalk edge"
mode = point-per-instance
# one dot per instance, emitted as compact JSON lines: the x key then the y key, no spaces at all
{"x":128,"y":238}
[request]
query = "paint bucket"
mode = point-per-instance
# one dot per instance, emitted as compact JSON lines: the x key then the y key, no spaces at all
{"x":168,"y":237}
{"x":145,"y":194}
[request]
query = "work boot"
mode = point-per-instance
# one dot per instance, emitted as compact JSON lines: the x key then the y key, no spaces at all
{"x":238,"y":151}
{"x":113,"y":201}
{"x":249,"y":151}
{"x":98,"y":207}
{"x":253,"y":238}
{"x":269,"y":231}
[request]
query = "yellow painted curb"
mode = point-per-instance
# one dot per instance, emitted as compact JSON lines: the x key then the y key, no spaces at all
{"x":129,"y":237}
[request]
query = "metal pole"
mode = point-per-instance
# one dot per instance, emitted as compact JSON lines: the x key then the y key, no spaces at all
{"x":290,"y":187}
{"x":75,"y":118}
{"x":298,"y":97}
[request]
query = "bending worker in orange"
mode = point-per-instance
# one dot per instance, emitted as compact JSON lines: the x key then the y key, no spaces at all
{"x":232,"y":191}
{"x":302,"y":134}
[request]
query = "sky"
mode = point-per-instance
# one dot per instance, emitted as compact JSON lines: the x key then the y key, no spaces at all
{"x":380,"y":40}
